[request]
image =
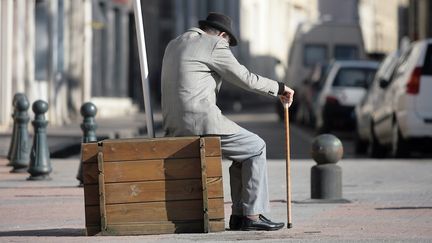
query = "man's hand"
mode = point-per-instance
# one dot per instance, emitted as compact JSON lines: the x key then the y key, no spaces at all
{"x":287,"y":96}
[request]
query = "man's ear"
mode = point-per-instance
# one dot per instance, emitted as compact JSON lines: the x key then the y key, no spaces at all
{"x":222,"y":33}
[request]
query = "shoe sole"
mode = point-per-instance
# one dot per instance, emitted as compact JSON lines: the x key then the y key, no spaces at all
{"x":260,"y":229}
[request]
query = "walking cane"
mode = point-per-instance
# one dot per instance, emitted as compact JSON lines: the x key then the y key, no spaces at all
{"x":288,"y":165}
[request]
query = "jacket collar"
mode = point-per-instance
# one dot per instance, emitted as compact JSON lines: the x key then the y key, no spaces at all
{"x":195,"y":29}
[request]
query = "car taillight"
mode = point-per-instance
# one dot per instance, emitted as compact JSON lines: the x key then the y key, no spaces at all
{"x":413,"y":85}
{"x":332,"y":100}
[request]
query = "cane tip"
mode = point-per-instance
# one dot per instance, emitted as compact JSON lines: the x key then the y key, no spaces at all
{"x":289,"y":225}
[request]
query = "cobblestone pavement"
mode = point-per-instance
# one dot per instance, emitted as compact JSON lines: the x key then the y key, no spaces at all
{"x":390,"y":200}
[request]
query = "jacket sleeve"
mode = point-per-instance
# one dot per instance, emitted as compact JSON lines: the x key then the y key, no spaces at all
{"x":223,"y":62}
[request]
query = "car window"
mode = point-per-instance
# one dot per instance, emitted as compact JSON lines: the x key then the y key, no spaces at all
{"x":386,"y":67}
{"x":354,"y":77}
{"x":326,"y":70}
{"x":390,"y":69}
{"x":427,"y":66}
{"x":314,"y":54}
{"x":345,"y":52}
{"x":403,"y":62}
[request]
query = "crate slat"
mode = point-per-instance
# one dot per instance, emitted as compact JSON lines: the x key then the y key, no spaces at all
{"x":163,"y":211}
{"x":164,"y":228}
{"x":168,"y":169}
{"x":151,"y":191}
{"x":158,"y":148}
{"x":89,"y":152}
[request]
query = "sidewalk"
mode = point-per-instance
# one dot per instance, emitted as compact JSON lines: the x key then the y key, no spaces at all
{"x":391,"y":200}
{"x":64,"y":141}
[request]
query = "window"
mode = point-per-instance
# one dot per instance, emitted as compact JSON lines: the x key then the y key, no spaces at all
{"x":346,"y":52}
{"x":402,"y":63}
{"x":354,"y":77}
{"x":314,"y":54}
{"x":427,"y":66}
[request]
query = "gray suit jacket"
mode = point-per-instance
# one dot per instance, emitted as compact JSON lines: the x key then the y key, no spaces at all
{"x":193,"y":67}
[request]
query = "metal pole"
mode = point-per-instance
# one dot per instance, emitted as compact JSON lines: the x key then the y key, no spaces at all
{"x":53,"y":115}
{"x":288,"y":165}
{"x":144,"y":67}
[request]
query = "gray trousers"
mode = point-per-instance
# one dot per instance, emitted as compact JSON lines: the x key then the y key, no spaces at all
{"x":248,"y":172}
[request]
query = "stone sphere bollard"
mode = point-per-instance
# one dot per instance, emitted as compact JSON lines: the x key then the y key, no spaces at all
{"x":40,"y":165}
{"x":88,"y":127}
{"x":19,"y":154}
{"x":326,"y":176}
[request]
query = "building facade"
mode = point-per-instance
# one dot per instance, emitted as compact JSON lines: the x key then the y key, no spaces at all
{"x":68,"y":52}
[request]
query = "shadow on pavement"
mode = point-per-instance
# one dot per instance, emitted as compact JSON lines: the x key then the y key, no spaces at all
{"x":45,"y":232}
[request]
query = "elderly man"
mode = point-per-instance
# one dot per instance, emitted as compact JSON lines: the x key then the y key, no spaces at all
{"x":194,"y":65}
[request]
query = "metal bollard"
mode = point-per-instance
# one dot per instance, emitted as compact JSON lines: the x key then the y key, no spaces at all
{"x":20,"y":148}
{"x":40,"y":164}
{"x":16,"y":97}
{"x":326,"y":176}
{"x":88,"y":127}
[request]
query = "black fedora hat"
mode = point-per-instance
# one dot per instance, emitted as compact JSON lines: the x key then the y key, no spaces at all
{"x":222,"y":23}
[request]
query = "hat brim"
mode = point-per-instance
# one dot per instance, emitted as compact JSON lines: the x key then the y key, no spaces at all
{"x":233,"y":39}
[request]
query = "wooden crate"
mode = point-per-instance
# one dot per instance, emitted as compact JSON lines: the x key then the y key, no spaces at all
{"x":153,"y":186}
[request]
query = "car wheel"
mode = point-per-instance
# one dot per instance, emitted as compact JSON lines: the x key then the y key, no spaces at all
{"x":360,"y":146}
{"x":399,"y":148}
{"x":321,"y":126}
{"x":375,"y":150}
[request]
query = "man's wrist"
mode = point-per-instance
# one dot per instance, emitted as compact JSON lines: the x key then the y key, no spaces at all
{"x":281,"y":88}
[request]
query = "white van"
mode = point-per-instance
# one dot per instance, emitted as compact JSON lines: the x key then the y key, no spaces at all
{"x":319,"y":43}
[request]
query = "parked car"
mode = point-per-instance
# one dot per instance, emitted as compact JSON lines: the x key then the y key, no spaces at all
{"x":319,"y":42}
{"x":403,"y":117}
{"x":344,"y":87}
{"x":364,"y":109}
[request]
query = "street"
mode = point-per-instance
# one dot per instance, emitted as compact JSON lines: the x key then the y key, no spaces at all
{"x":265,"y":122}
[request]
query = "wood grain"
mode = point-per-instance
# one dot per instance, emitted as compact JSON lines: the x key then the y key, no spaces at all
{"x":168,"y":169}
{"x":163,"y":211}
{"x":158,"y":148}
{"x":151,"y":191}
{"x":89,"y":152}
{"x":163,"y":228}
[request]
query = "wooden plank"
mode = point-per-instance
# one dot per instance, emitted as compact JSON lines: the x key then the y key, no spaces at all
{"x":151,"y":191}
{"x":157,"y":148}
{"x":204,"y":186}
{"x":213,"y":147}
{"x":92,"y":230}
{"x":89,"y":152}
{"x":90,"y":173}
{"x":103,"y":214}
{"x":162,"y":211}
{"x":89,"y":159}
{"x":92,"y":214}
{"x":163,"y":228}
{"x":216,"y":225}
{"x":91,"y":195}
{"x":125,"y":171}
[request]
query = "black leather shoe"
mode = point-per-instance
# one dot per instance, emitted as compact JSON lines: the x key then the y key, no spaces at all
{"x":269,"y":221}
{"x":262,"y":223}
{"x":235,"y":222}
